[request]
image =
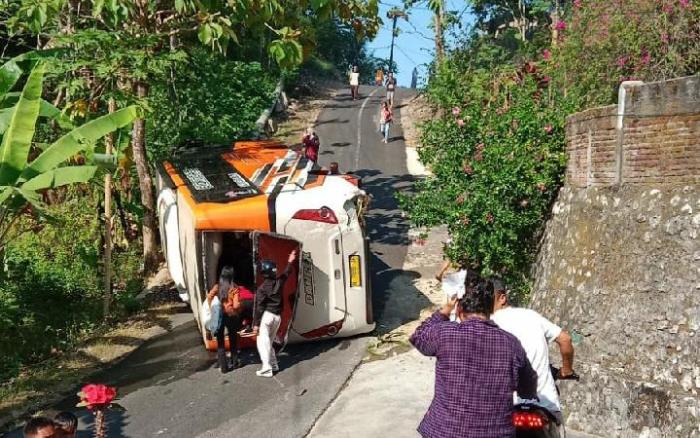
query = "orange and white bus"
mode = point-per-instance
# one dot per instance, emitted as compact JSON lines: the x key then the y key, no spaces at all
{"x":258,"y":200}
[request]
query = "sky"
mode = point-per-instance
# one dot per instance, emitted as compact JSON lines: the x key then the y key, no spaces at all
{"x":415,"y":46}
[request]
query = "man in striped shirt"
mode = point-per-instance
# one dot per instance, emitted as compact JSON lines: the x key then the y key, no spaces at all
{"x":479,"y":366}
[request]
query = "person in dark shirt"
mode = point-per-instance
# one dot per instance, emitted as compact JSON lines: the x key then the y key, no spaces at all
{"x":268,"y":311}
{"x":478,"y":368}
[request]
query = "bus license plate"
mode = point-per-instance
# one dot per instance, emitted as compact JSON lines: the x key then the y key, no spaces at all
{"x":355,"y":271}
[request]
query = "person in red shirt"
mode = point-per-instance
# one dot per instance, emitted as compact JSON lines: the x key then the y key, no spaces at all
{"x":311,"y":144}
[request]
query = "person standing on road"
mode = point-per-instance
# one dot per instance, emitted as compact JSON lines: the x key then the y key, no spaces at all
{"x":390,"y":88}
{"x":311,"y":144}
{"x":355,"y":82}
{"x":478,"y":368}
{"x":386,"y":117}
{"x":379,"y":77}
{"x":236,"y":305}
{"x":268,"y":311}
{"x":535,"y":332}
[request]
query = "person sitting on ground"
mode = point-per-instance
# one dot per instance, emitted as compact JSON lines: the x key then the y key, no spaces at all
{"x":66,"y":424}
{"x":268,"y":311}
{"x":535,"y":332}
{"x":473,"y":355}
{"x":40,"y":427}
{"x":310,"y":144}
{"x":237,"y":305}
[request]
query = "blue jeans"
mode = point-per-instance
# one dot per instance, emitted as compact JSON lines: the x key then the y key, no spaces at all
{"x":384,"y":128}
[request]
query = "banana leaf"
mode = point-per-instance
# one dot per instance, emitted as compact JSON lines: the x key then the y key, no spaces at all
{"x":60,"y":177}
{"x":79,"y":139}
{"x":17,"y":139}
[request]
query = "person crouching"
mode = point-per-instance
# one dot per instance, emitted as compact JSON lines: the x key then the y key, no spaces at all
{"x":268,"y":311}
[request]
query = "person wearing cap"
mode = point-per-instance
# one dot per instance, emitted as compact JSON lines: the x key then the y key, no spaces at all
{"x":535,"y":333}
{"x":478,"y":368}
{"x":268,"y":311}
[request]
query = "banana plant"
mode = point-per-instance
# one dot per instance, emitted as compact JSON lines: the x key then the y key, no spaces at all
{"x":21,"y":180}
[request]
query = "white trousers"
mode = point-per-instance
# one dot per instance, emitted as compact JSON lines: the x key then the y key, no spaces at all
{"x":269,"y":324}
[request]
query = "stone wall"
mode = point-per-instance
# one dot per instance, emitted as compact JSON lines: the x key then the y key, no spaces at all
{"x":619,"y":264}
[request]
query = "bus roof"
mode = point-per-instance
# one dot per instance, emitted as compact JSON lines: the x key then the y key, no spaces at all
{"x":223,"y":174}
{"x":235,"y":186}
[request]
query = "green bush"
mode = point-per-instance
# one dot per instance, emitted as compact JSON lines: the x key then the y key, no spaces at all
{"x":51,"y":288}
{"x":497,"y":157}
{"x":210,"y":98}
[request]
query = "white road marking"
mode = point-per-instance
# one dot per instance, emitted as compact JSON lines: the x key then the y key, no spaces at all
{"x":359,"y":128}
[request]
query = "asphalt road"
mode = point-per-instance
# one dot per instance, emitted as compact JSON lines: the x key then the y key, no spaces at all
{"x":169,"y":387}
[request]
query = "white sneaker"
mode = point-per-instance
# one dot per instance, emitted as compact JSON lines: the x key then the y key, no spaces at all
{"x":264,"y":373}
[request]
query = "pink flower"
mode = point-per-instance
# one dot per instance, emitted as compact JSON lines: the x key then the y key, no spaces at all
{"x":467,"y":168}
{"x":93,"y":395}
{"x":548,"y":128}
{"x":480,"y":147}
{"x":577,"y":3}
{"x":621,"y":61}
{"x":646,"y":57}
{"x":664,"y":37}
{"x":478,"y":156}
{"x":456,"y":110}
{"x":460,"y":122}
{"x":561,"y":25}
{"x":684,"y":3}
{"x":546,"y":54}
{"x":667,"y":9}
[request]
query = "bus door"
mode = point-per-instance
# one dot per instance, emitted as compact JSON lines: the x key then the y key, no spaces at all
{"x":275,"y":247}
{"x":322,"y":301}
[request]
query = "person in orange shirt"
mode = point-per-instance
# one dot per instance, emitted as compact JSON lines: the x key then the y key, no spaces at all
{"x":379,"y":77}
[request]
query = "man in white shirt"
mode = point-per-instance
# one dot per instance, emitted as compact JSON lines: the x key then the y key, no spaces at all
{"x":535,"y":332}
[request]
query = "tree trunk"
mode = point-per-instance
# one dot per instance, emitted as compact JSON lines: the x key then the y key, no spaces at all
{"x":109,"y":149}
{"x":149,"y":229}
{"x":554,"y":16}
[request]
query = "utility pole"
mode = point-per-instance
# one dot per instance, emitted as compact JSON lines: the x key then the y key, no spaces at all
{"x":439,"y":41}
{"x":394,"y":14}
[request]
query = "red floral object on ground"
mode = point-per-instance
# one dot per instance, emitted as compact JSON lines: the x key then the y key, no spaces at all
{"x":97,"y":398}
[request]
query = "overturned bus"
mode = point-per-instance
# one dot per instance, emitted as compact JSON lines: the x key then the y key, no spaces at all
{"x":258,"y":200}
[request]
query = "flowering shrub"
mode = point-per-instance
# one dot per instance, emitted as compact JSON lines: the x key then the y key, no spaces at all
{"x":497,"y":165}
{"x":613,"y":41}
{"x":497,"y":151}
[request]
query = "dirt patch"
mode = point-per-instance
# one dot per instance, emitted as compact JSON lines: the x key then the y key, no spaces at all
{"x":306,"y":101}
{"x":48,"y":382}
{"x":414,"y":111}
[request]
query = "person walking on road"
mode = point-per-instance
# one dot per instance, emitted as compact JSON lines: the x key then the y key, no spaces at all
{"x":268,"y":311}
{"x":390,"y":88}
{"x":386,"y":117}
{"x":311,"y":144}
{"x":355,"y":82}
{"x":379,"y":77}
{"x":535,"y":332}
{"x":478,"y":368}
